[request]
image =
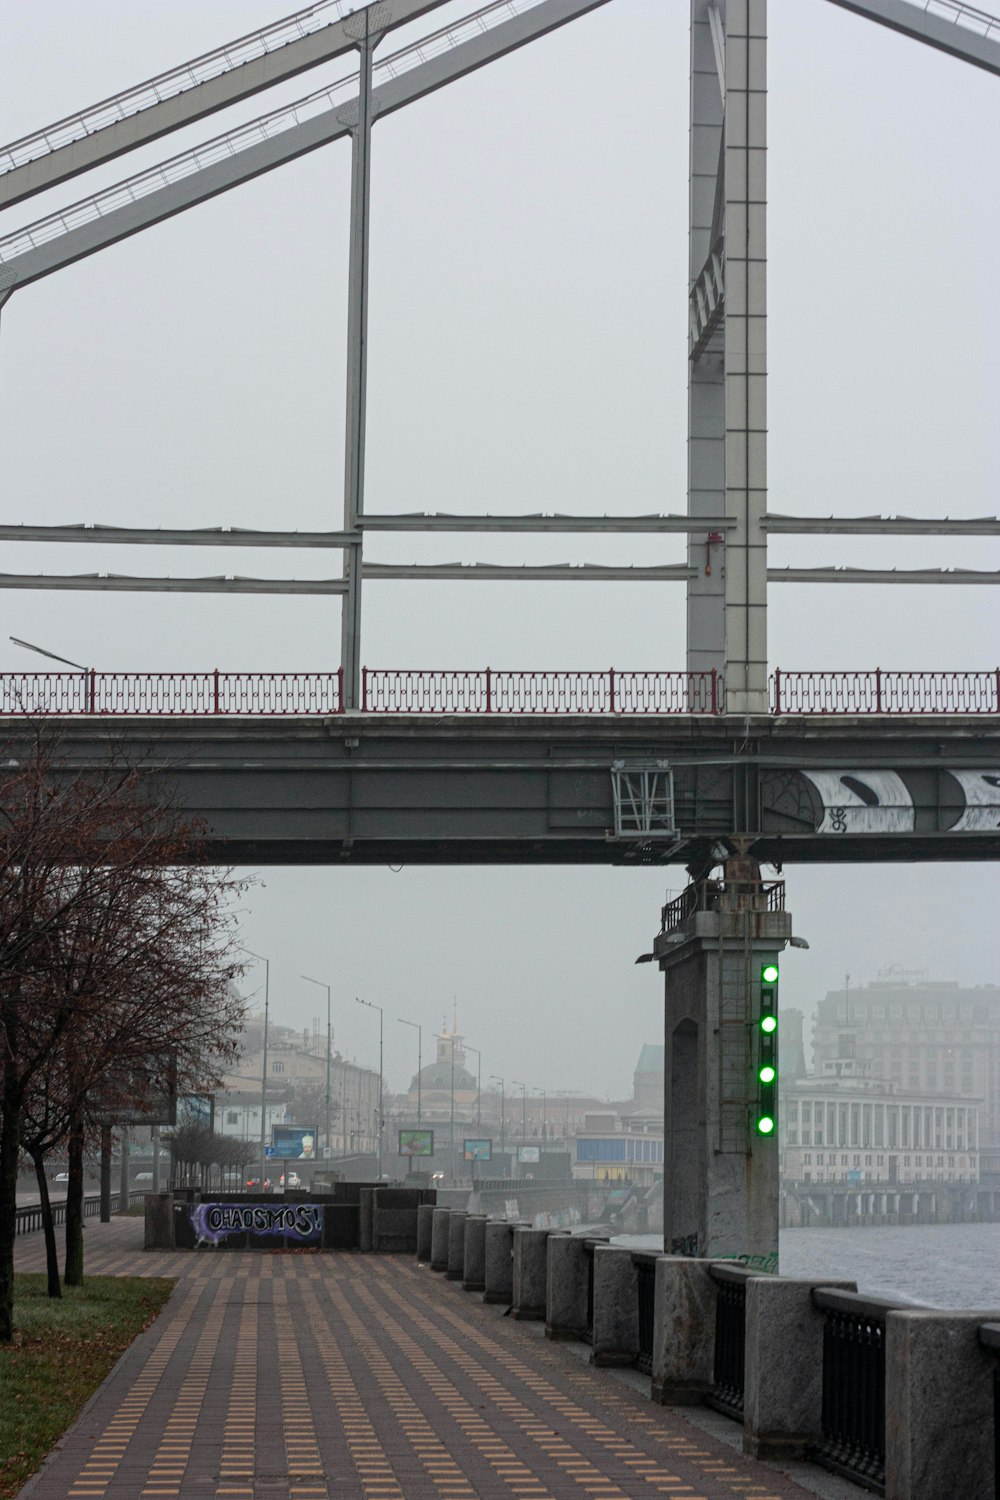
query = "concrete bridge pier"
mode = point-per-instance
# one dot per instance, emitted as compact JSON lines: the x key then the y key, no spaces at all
{"x":720,"y":1172}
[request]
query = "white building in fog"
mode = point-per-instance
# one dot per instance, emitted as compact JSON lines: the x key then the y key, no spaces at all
{"x":847,"y":1127}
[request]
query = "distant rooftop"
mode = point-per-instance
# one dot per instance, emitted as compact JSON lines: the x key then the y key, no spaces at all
{"x":650,"y":1059}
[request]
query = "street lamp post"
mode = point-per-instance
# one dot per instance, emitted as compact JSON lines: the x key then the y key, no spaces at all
{"x":479,"y":1087}
{"x":495,"y":1078}
{"x":453,"y":1108}
{"x":544,"y":1109}
{"x":420,"y":1057}
{"x":372,"y":1006}
{"x":524,"y":1107}
{"x":329,"y":1048}
{"x":263,"y":1068}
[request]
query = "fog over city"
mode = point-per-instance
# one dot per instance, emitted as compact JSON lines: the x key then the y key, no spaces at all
{"x":528,"y":334}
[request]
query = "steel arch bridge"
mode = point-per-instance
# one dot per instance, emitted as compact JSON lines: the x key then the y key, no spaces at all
{"x":886,"y":762}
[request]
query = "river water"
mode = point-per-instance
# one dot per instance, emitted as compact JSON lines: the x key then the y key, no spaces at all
{"x":939,"y":1265}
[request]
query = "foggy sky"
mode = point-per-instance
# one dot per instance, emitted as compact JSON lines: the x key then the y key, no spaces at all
{"x":527,"y":352}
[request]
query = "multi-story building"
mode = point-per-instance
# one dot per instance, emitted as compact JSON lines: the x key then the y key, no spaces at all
{"x":847,"y":1127}
{"x":924,"y":1038}
{"x":296,"y":1090}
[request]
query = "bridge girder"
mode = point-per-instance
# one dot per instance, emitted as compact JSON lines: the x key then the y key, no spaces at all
{"x":439,"y":791}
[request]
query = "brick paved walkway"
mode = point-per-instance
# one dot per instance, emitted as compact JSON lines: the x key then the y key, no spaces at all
{"x":310,"y":1377}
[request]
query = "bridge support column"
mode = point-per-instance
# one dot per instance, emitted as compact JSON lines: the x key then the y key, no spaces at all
{"x":727,"y":407}
{"x":360,"y":122}
{"x":720,"y":1189}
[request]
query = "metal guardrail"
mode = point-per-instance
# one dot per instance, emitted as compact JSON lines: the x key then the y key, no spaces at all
{"x":970,"y":16}
{"x":853,"y":1420}
{"x":645,"y":1270}
{"x":28,"y":1220}
{"x":491,"y":692}
{"x":881,"y":692}
{"x":547,"y":693}
{"x":706,"y":895}
{"x":166,"y":85}
{"x":728,"y":1378}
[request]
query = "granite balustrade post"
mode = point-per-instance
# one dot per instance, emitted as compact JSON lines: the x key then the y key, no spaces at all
{"x":474,"y":1262}
{"x":528,"y":1302}
{"x":499,"y":1262}
{"x":939,"y":1438}
{"x":683,"y":1332}
{"x":616,"y":1307}
{"x":567,"y":1287}
{"x":439,"y":1239}
{"x":456,"y":1245}
{"x":425,"y":1218}
{"x":783,"y":1368}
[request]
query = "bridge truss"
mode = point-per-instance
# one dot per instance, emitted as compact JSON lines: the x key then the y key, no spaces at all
{"x":726,"y":516}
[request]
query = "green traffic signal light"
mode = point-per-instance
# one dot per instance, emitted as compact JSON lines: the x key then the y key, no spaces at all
{"x":769,"y":974}
{"x":768,"y":1023}
{"x":767,"y":1074}
{"x":765,"y":1125}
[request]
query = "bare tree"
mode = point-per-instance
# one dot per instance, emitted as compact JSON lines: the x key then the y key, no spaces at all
{"x":115,"y":948}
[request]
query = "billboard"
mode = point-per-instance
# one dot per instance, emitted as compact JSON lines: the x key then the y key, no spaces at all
{"x":294,"y":1142}
{"x":478,"y":1150}
{"x":196,"y":1109}
{"x":143,"y":1093}
{"x":416,"y":1143}
{"x":529,"y":1153}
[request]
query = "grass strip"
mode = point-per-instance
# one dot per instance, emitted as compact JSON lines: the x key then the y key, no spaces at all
{"x":61,"y":1352}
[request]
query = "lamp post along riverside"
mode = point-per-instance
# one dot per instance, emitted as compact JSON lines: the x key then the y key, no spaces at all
{"x":329,"y":1049}
{"x":263,"y":1067}
{"x":495,"y":1078}
{"x":544,"y":1112}
{"x":524,"y":1109}
{"x":381,"y":1019}
{"x":420,"y":1058}
{"x":453,"y":1109}
{"x":479,"y":1087}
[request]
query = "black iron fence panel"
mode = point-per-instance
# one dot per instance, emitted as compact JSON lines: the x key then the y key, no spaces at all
{"x":730,"y":1340}
{"x":588,"y":1249}
{"x":28,"y":1220}
{"x":853,"y":1417}
{"x":645,"y":1268}
{"x":989,"y":1337}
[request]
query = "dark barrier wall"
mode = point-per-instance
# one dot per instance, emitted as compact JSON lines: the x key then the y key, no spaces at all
{"x":330,"y":1220}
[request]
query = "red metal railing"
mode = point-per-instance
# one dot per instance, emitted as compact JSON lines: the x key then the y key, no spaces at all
{"x":881,"y":692}
{"x":492,"y":692}
{"x":180,"y":694}
{"x":647,"y":694}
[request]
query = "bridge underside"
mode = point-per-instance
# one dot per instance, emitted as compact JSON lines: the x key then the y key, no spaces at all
{"x":352,"y":789}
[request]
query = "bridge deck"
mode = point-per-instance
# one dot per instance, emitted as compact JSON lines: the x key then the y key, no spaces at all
{"x":316,"y":1376}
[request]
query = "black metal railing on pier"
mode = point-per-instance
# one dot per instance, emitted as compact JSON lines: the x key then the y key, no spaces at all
{"x":728,"y":1380}
{"x":645,"y":1271}
{"x":853,"y":1420}
{"x":717,"y":895}
{"x":589,"y":1246}
{"x":989,"y":1337}
{"x":28,"y":1220}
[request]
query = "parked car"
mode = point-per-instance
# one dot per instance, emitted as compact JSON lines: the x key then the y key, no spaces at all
{"x":61,"y":1177}
{"x":290,"y":1180}
{"x":143,"y":1176}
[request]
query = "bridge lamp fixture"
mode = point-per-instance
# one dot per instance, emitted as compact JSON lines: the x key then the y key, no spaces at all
{"x":672,"y":940}
{"x":28,"y":646}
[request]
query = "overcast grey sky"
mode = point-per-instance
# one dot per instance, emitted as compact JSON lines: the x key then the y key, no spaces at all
{"x":527,"y":352}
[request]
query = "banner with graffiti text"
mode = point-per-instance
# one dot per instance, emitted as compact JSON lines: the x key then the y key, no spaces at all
{"x":256,"y":1225}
